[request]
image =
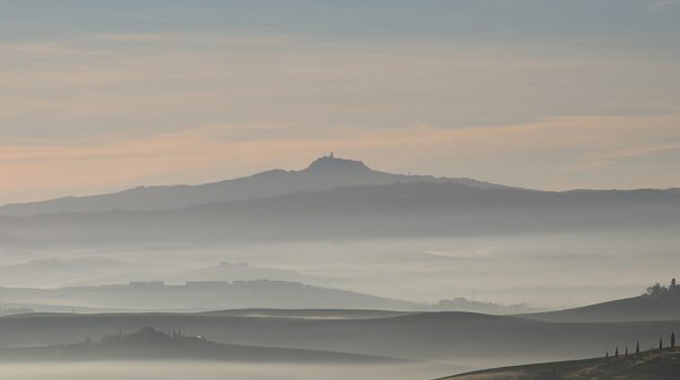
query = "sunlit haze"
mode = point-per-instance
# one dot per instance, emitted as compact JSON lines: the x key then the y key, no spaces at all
{"x":339,"y":189}
{"x":101,"y":96}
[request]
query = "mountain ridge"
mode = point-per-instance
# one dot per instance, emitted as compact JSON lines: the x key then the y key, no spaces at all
{"x":324,"y":173}
{"x":414,"y":209}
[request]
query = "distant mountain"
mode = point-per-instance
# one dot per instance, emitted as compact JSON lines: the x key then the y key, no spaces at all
{"x":642,"y":308}
{"x":242,"y":271}
{"x":151,"y":344}
{"x":323,"y":174}
{"x":209,"y":295}
{"x":649,"y":365}
{"x":97,"y":270}
{"x":414,"y":209}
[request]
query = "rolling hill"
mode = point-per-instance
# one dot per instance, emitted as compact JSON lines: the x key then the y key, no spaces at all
{"x":642,"y":308}
{"x":454,"y":336}
{"x":151,"y":344}
{"x":650,"y":365}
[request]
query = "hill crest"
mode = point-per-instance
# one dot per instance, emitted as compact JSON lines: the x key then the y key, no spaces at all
{"x":325,"y":173}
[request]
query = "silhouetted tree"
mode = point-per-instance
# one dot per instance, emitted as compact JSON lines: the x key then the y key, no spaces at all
{"x":616,"y":353}
{"x":656,"y":291}
{"x":672,"y":340}
{"x":606,"y":355}
{"x":637,"y":348}
{"x":626,"y":351}
{"x":660,"y":344}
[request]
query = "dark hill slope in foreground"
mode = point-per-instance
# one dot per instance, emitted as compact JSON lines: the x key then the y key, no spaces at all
{"x":651,"y":365}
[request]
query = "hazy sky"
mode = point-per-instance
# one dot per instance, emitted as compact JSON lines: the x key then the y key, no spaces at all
{"x":104,"y":95}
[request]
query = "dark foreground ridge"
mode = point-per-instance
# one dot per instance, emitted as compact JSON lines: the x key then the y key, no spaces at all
{"x":151,"y":344}
{"x":650,"y":365}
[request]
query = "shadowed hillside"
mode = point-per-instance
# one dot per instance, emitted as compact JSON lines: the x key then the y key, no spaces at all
{"x":151,"y":344}
{"x":425,"y":336}
{"x":651,"y":365}
{"x":659,"y":303}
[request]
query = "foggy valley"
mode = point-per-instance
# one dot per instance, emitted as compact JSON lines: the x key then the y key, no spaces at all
{"x":339,"y":189}
{"x":394,"y":303}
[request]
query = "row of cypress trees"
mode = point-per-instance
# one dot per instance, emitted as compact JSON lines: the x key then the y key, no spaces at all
{"x":637,"y":347}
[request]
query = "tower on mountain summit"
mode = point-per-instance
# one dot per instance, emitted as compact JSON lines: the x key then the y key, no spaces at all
{"x":330,"y":163}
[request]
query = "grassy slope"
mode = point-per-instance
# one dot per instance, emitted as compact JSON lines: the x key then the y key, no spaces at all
{"x":650,"y":365}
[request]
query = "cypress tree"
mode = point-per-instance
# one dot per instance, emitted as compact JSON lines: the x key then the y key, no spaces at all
{"x":660,"y":344}
{"x":616,"y":353}
{"x":637,"y":348}
{"x":673,"y":340}
{"x":626,"y":350}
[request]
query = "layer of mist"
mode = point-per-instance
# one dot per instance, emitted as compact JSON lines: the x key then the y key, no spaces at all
{"x":334,"y":263}
{"x":544,"y":271}
{"x":164,"y":370}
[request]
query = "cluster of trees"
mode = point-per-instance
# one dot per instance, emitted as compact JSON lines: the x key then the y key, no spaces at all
{"x":149,"y":335}
{"x":659,"y":290}
{"x":637,"y":347}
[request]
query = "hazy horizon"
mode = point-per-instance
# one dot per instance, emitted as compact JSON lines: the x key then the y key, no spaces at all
{"x":334,"y":189}
{"x":111,"y":95}
{"x":114,"y":190}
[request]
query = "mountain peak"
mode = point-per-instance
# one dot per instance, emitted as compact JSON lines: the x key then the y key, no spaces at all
{"x":332,"y":163}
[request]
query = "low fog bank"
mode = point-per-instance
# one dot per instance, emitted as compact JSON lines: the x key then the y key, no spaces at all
{"x":548,"y":271}
{"x":220,"y":371}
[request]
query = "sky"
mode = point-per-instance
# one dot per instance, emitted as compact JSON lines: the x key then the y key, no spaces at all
{"x":99,"y":96}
